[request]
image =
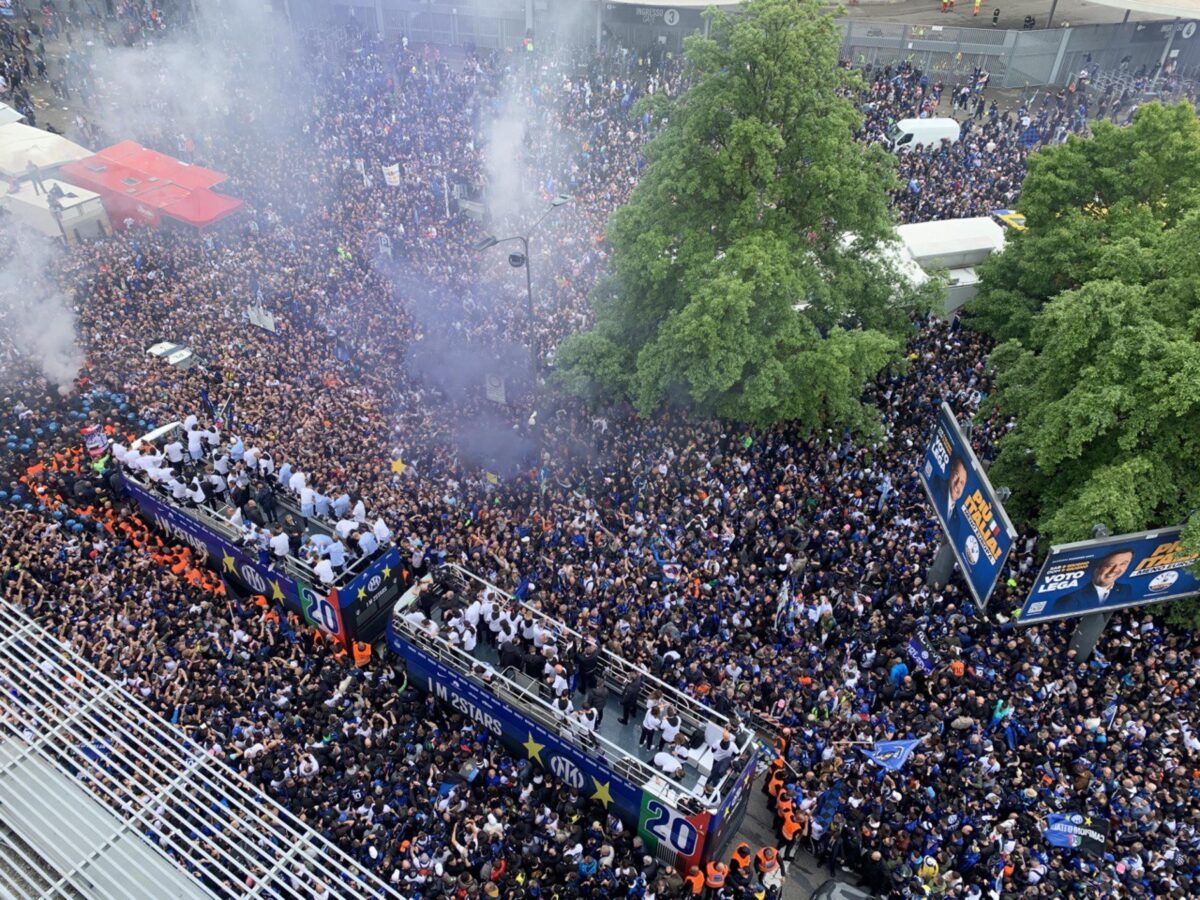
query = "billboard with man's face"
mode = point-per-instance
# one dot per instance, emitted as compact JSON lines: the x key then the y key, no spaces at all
{"x":971,"y":517}
{"x":1111,"y":573}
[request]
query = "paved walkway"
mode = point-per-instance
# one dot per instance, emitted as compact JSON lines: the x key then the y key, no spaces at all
{"x":804,"y":874}
{"x":1012,"y":12}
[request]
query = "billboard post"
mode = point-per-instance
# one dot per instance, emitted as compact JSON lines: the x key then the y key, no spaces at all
{"x":942,"y":567}
{"x":1088,"y":631}
{"x":974,"y":525}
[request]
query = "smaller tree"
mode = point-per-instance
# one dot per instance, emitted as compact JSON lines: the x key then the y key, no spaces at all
{"x":1079,"y":199}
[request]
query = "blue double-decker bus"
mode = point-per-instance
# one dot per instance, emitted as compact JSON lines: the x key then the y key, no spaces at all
{"x":354,"y":607}
{"x":685,"y":818}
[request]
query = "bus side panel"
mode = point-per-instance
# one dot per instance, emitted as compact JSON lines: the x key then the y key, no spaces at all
{"x":230,"y":560}
{"x":728,"y":819}
{"x":526,"y":738}
{"x":665,"y":828}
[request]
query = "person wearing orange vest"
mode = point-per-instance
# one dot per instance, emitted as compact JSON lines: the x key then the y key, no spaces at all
{"x":774,"y":767}
{"x":740,"y":861}
{"x":774,"y":785}
{"x":715,"y":876}
{"x":362,"y":653}
{"x":766,"y":860}
{"x":694,"y":881}
{"x":783,"y":805}
{"x":791,"y":833}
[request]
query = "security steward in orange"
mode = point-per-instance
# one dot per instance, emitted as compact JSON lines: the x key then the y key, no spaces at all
{"x":694,"y":882}
{"x":741,"y":858}
{"x":766,"y":861}
{"x":714,"y":877}
{"x":784,"y":804}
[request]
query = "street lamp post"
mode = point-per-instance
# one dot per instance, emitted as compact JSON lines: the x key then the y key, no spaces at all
{"x":517,"y":260}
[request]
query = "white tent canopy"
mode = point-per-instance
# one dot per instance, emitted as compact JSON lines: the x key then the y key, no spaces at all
{"x":21,"y":143}
{"x":8,"y":114}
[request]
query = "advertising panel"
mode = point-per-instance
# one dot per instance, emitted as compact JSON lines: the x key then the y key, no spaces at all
{"x":657,"y":821}
{"x":232,"y":561}
{"x":1111,"y":573}
{"x":972,"y":519}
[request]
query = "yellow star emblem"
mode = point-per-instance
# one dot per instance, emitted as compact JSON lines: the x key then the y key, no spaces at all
{"x":534,"y":749}
{"x":602,"y":793}
{"x":276,"y":591}
{"x":362,"y":594}
{"x":398,"y":466}
{"x":387,"y":571}
{"x":229,"y":562}
{"x":1087,"y":820}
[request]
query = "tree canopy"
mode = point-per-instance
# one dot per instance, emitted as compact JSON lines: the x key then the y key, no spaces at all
{"x":734,"y":288}
{"x":1102,"y":369}
{"x":1084,"y":199}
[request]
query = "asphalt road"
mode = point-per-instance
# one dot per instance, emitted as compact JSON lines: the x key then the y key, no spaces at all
{"x":1012,"y":12}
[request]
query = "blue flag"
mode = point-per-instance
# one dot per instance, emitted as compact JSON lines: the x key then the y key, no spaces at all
{"x":921,"y":652}
{"x":209,"y":410}
{"x":892,"y":754}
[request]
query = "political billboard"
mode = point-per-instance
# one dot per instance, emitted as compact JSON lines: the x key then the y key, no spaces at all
{"x":1111,"y":573}
{"x":972,"y":519}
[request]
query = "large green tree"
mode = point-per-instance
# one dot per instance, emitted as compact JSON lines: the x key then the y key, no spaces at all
{"x":1103,"y":375}
{"x":734,"y":289}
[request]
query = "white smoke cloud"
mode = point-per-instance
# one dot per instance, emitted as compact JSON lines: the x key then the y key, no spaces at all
{"x":235,"y":70}
{"x":504,"y":159}
{"x":37,"y":321}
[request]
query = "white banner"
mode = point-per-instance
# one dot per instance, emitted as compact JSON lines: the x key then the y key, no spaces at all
{"x":262,"y":318}
{"x":391,"y":175}
{"x":493,"y":386}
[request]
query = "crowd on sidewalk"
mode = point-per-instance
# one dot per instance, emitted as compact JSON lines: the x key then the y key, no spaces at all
{"x":768,"y":572}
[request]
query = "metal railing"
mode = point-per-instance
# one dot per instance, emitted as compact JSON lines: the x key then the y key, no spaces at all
{"x":152,"y":791}
{"x":620,"y":670}
{"x":532,"y":704}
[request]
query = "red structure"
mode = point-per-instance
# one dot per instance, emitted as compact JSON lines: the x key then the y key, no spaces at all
{"x":148,"y":186}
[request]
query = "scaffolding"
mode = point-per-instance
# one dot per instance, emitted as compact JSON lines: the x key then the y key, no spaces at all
{"x":100,"y":797}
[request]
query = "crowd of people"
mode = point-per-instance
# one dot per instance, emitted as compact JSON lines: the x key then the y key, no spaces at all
{"x":771,"y":573}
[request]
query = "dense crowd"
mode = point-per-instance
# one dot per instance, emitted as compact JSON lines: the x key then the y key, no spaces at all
{"x":770,"y":573}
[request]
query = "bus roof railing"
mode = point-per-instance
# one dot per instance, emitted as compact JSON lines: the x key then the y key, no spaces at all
{"x":509,"y":689}
{"x":695,"y":712}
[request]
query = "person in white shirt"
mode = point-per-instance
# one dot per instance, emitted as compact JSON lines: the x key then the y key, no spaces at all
{"x":298,"y":481}
{"x":174,"y":452}
{"x":360,"y":512}
{"x":667,"y":763}
{"x":195,"y":443}
{"x":266,"y":465}
{"x":324,"y":571}
{"x":381,"y":531}
{"x":650,"y":725}
{"x":670,"y":728}
{"x":251,"y":458}
{"x":279,"y":544}
{"x":345,"y":528}
{"x":308,"y":502}
{"x":469,"y":640}
{"x":337,"y":554}
{"x":196,"y":495}
{"x":179,"y":490}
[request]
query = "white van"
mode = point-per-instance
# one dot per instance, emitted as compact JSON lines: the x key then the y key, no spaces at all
{"x":909,"y":133}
